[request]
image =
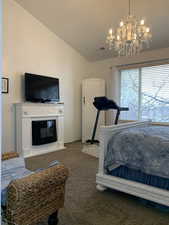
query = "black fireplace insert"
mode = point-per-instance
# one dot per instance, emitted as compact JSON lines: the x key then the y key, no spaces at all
{"x":44,"y":132}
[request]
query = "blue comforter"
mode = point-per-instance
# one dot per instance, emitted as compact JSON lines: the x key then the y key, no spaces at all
{"x":142,"y":148}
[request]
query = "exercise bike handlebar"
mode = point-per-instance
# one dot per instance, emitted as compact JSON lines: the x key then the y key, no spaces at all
{"x":123,"y":108}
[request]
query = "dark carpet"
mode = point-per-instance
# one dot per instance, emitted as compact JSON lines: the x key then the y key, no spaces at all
{"x":84,"y":205}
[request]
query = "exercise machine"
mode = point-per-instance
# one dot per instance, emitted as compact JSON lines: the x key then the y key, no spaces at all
{"x":104,"y":104}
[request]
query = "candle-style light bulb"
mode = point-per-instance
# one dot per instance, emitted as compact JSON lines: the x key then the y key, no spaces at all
{"x":142,"y":22}
{"x":121,"y":23}
{"x":110,"y":31}
{"x":147,"y":29}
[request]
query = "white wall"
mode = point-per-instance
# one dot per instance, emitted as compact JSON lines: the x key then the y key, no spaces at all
{"x":107,"y":69}
{"x":30,"y":47}
{"x":0,"y":75}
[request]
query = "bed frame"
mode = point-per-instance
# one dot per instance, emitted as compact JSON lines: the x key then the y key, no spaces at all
{"x":104,"y":181}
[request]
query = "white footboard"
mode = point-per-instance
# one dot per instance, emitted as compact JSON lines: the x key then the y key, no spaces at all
{"x":130,"y":187}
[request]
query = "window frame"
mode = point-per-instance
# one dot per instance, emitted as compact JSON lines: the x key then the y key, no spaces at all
{"x":139,"y":67}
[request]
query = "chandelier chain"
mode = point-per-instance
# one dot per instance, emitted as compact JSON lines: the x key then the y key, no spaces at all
{"x":129,"y":8}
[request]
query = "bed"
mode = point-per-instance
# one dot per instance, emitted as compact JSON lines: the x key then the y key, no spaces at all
{"x":124,"y":175}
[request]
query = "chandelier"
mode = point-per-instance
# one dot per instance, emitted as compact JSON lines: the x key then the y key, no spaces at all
{"x":131,"y":36}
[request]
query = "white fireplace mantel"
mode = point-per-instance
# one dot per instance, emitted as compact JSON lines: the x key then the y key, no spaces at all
{"x":28,"y":112}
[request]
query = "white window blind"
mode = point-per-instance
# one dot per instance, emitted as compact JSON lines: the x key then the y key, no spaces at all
{"x":146,"y":92}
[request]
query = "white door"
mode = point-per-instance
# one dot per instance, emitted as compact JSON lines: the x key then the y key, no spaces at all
{"x":91,"y":88}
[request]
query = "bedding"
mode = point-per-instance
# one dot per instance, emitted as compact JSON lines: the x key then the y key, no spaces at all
{"x":138,"y":176}
{"x":141,"y":148}
{"x":141,"y":177}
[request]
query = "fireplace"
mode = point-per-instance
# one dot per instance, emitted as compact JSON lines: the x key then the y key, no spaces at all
{"x":39,"y":128}
{"x":44,"y":132}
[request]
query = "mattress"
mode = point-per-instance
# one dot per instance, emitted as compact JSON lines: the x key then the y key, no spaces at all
{"x":140,"y":148}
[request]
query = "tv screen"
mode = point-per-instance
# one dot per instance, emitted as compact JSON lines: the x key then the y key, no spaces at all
{"x":41,"y":88}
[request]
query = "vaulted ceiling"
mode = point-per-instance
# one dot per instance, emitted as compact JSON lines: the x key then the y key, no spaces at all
{"x":83,"y":24}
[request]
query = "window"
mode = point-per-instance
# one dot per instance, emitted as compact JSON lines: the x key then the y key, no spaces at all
{"x":146,"y":92}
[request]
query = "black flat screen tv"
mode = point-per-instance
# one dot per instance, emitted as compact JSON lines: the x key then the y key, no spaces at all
{"x":41,"y":88}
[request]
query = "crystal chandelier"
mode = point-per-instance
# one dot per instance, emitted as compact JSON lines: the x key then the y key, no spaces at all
{"x":131,"y":36}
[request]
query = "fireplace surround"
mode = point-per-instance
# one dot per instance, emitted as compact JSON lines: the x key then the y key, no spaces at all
{"x":39,"y":128}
